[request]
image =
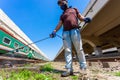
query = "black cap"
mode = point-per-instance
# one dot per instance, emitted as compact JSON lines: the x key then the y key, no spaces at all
{"x":61,"y":1}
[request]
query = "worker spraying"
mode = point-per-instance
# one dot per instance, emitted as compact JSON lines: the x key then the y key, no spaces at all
{"x":71,"y":34}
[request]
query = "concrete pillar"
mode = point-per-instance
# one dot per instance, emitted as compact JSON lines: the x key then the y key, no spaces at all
{"x":98,"y":50}
{"x":118,"y":48}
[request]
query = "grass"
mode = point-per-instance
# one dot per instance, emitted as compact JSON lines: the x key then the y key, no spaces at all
{"x":74,"y":77}
{"x":46,"y":72}
{"x":47,"y":67}
{"x":114,"y":73}
{"x":26,"y":75}
{"x":117,"y":73}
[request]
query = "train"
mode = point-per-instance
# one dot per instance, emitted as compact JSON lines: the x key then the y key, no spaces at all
{"x":10,"y":45}
{"x":14,"y":43}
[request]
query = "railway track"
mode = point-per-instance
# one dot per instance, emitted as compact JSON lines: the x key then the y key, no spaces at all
{"x":6,"y":61}
{"x":106,"y":57}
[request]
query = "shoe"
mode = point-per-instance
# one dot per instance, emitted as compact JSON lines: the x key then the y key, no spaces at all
{"x":67,"y":73}
{"x":71,"y":73}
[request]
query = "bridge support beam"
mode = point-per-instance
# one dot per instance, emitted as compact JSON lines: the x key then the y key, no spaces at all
{"x":98,"y":50}
{"x":118,"y":48}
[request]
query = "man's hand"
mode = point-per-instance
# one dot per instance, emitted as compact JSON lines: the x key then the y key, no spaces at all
{"x":53,"y":34}
{"x":87,"y":20}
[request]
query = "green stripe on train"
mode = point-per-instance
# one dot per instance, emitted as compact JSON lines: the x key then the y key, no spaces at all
{"x":3,"y":51}
{"x":13,"y":40}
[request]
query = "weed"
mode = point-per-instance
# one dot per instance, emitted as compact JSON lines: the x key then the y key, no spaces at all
{"x":26,"y":75}
{"x":117,"y":73}
{"x":74,"y":77}
{"x":47,"y":67}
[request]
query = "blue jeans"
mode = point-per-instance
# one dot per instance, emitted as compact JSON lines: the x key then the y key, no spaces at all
{"x":69,"y":37}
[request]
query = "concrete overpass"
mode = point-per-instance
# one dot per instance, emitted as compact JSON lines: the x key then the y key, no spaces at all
{"x":104,"y":30}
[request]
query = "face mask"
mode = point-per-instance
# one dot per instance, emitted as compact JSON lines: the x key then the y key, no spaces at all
{"x":63,"y":7}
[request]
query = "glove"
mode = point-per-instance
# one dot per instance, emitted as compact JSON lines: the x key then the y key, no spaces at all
{"x":87,"y":20}
{"x":53,"y":34}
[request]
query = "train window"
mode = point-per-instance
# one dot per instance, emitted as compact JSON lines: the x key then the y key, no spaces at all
{"x":6,"y":41}
{"x":16,"y":45}
{"x":26,"y":49}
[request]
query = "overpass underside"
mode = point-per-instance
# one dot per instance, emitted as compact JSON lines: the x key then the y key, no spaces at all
{"x":104,"y":30}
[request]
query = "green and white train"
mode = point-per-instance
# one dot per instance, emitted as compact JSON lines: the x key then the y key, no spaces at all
{"x":14,"y":43}
{"x":9,"y":45}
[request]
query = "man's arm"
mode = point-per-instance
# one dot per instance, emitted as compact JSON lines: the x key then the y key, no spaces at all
{"x":80,"y":17}
{"x":58,"y":26}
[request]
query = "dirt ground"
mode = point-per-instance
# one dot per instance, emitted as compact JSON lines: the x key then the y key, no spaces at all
{"x":93,"y":73}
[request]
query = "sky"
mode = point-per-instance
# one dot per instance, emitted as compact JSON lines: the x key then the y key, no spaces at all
{"x":38,"y":18}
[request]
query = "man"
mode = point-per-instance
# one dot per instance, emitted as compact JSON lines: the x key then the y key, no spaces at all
{"x":71,"y":34}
